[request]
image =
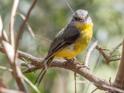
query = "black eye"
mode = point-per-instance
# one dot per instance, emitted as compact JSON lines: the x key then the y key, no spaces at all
{"x":77,"y":18}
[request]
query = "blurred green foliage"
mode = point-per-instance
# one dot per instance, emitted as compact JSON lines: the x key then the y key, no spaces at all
{"x":50,"y":16}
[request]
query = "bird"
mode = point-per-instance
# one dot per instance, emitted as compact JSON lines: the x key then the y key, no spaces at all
{"x":70,"y":41}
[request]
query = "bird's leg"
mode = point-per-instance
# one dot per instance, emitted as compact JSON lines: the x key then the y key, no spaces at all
{"x":79,"y":65}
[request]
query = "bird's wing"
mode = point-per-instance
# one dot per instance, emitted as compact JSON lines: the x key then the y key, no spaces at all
{"x":64,"y":38}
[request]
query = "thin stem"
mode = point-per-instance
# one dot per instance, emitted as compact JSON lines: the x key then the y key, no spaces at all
{"x":12,"y":20}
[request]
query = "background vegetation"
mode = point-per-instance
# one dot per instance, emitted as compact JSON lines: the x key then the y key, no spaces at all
{"x":47,"y":18}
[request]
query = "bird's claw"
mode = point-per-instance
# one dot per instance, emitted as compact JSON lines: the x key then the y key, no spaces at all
{"x":82,"y":66}
{"x":70,"y":60}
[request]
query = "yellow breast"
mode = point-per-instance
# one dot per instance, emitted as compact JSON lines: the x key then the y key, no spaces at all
{"x":80,"y":44}
{"x":85,"y":37}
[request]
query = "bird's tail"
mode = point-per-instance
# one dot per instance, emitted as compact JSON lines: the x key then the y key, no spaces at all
{"x":46,"y":62}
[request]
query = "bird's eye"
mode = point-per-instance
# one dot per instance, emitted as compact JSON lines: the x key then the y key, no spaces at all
{"x":77,"y":18}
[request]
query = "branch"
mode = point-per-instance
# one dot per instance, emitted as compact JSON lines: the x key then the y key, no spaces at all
{"x":21,"y":29}
{"x":105,"y":56}
{"x":12,"y":19}
{"x":10,"y":53}
{"x":89,"y":53}
{"x":27,"y":24}
{"x":16,"y":72}
{"x":75,"y":67}
{"x":119,"y":80}
{"x":79,"y":68}
{"x":108,"y":57}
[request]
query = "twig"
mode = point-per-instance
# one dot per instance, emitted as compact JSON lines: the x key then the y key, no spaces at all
{"x":105,"y":56}
{"x":89,"y":53}
{"x":31,"y":84}
{"x":115,"y":48}
{"x":21,"y":29}
{"x":119,"y":80}
{"x":69,"y":6}
{"x":10,"y":53}
{"x":75,"y":82}
{"x":97,"y":61}
{"x":16,"y":72}
{"x":115,"y":59}
{"x":108,"y":58}
{"x":1,"y":26}
{"x":28,"y":25}
{"x":12,"y":19}
{"x":4,"y":35}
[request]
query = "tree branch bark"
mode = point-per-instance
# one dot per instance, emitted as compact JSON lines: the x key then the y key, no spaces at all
{"x":73,"y":66}
{"x":36,"y":63}
{"x":119,"y":80}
